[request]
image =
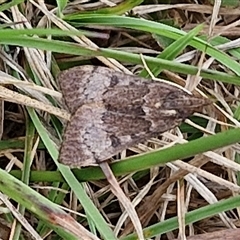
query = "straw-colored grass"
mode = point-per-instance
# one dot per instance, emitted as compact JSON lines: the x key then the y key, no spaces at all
{"x":183,"y":183}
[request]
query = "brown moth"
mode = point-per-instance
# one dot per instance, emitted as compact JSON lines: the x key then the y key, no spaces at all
{"x":111,"y":112}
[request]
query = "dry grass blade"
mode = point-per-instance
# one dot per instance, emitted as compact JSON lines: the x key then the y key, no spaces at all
{"x":135,"y":39}
{"x":117,"y":191}
{"x":15,"y":97}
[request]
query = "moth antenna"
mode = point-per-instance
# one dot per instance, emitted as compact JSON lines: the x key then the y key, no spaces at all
{"x":118,"y":192}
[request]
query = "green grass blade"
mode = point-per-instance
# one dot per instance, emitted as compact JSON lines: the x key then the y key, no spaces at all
{"x":119,"y":9}
{"x":151,"y":159}
{"x":172,"y":51}
{"x":156,"y":28}
{"x":70,"y":48}
{"x":86,"y":202}
{"x":9,"y":4}
{"x":191,"y":217}
{"x":29,"y":141}
{"x":33,"y":201}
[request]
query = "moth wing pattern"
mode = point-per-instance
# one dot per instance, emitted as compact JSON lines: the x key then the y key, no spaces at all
{"x":90,"y":138}
{"x":112,"y":111}
{"x":84,"y":84}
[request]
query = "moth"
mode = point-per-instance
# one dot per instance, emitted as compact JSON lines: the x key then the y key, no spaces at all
{"x":112,"y":111}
